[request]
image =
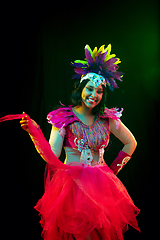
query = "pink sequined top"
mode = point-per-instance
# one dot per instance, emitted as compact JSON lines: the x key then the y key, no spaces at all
{"x":79,"y":136}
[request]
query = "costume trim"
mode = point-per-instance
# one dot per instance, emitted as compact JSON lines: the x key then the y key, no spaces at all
{"x":64,"y":116}
{"x":95,"y":78}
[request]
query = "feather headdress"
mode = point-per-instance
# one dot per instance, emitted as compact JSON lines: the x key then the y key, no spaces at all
{"x":99,"y":61}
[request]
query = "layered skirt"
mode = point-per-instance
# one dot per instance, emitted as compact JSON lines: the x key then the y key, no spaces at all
{"x":79,"y":200}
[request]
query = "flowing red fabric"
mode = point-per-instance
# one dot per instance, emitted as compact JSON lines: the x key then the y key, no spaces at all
{"x":41,"y":144}
{"x":79,"y":198}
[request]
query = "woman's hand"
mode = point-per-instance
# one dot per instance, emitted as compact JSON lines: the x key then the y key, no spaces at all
{"x":25,"y":123}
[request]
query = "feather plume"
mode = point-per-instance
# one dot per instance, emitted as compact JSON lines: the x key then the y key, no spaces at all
{"x":99,"y":61}
{"x":89,"y":57}
{"x":80,"y":71}
{"x":94,"y":53}
{"x":101,"y":49}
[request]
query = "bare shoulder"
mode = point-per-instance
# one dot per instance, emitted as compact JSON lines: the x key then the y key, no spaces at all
{"x":113,"y":124}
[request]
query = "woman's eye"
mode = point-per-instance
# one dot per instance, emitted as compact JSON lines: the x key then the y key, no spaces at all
{"x":90,"y":89}
{"x":99,"y":92}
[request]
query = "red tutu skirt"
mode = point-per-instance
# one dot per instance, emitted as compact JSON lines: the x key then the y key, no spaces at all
{"x":77,"y":201}
{"x":80,"y":199}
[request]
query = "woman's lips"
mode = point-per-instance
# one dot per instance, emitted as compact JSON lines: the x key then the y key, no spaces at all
{"x":91,"y":100}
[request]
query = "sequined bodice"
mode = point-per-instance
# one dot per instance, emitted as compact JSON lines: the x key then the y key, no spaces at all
{"x":88,"y":139}
{"x":78,"y":135}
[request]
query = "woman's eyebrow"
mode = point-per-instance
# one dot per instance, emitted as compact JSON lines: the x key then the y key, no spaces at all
{"x":98,"y":89}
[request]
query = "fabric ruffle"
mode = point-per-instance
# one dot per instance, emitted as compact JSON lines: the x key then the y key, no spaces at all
{"x":61,"y":117}
{"x":77,"y":201}
{"x":79,"y":198}
{"x":113,"y":113}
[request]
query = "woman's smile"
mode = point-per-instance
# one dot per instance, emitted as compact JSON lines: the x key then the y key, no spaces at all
{"x":92,"y":100}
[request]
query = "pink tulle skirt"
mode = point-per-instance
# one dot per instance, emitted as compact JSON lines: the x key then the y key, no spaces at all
{"x":77,"y":201}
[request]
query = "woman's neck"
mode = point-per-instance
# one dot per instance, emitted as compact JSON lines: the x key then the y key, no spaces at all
{"x":84,"y":115}
{"x":83,"y":110}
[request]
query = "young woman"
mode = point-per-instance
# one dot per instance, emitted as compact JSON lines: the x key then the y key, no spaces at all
{"x":83,"y":198}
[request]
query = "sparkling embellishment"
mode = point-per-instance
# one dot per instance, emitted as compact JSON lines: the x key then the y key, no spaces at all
{"x":101,"y":154}
{"x":95,"y":78}
{"x":94,"y":136}
{"x":86,"y":155}
{"x":124,"y":161}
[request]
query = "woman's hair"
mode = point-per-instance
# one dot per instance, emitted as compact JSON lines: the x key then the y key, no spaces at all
{"x":76,"y":97}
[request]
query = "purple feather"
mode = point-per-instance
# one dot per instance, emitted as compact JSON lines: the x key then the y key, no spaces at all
{"x":108,"y":63}
{"x":117,"y":75}
{"x":113,"y":83}
{"x":101,"y":58}
{"x":113,"y":68}
{"x":80,"y":71}
{"x":89,"y":57}
{"x":79,"y":65}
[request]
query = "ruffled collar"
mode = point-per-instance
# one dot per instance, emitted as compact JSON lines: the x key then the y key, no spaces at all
{"x":63,"y":116}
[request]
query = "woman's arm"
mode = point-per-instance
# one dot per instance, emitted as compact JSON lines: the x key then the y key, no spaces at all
{"x":127,"y":138}
{"x":56,"y":141}
{"x":124,"y":135}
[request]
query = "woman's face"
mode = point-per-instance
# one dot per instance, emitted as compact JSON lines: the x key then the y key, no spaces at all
{"x":92,"y":95}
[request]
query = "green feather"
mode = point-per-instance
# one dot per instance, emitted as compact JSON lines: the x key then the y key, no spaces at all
{"x":89,"y":49}
{"x":81,"y":61}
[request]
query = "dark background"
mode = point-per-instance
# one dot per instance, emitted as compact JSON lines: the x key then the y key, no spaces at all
{"x":38,"y":42}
